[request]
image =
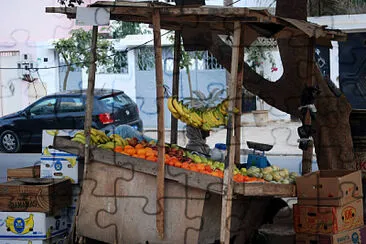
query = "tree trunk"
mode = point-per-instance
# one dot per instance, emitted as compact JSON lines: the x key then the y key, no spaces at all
{"x":332,"y":137}
{"x":66,"y":77}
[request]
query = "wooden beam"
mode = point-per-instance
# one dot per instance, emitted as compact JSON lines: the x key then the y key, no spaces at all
{"x":88,"y":111}
{"x":229,"y":165}
{"x":175,"y":89}
{"x":161,"y":127}
{"x":90,"y":97}
{"x":238,"y":96}
{"x":307,"y":155}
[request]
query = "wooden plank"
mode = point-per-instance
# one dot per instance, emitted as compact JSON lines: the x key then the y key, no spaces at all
{"x":88,"y":117}
{"x":176,"y":17}
{"x":26,"y":172}
{"x":119,"y":207}
{"x":307,"y":155}
{"x":35,"y":195}
{"x":229,"y":167}
{"x":161,"y":127}
{"x":90,"y":95}
{"x":175,"y":89}
{"x":238,"y":98}
{"x":191,"y":178}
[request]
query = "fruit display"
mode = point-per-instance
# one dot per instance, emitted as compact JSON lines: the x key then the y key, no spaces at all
{"x":273,"y":174}
{"x":182,"y":158}
{"x":205,"y":118}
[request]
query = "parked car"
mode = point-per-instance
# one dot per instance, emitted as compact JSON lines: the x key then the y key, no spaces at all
{"x":66,"y":110}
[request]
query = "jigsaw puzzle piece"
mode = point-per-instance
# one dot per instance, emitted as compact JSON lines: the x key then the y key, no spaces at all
{"x":136,"y":210}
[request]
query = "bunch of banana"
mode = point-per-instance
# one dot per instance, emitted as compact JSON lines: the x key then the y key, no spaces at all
{"x":118,"y":140}
{"x":79,"y":137}
{"x":187,"y":115}
{"x":98,"y":137}
{"x":205,"y":119}
{"x":213,"y":118}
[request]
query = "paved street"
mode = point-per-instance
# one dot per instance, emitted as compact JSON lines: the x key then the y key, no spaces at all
{"x":16,"y":160}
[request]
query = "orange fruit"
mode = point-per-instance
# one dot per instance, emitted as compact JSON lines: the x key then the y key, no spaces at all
{"x":118,"y":149}
{"x":178,"y":164}
{"x":139,"y":146}
{"x":141,"y":151}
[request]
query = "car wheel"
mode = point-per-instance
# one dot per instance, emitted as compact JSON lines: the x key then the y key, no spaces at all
{"x":10,"y":142}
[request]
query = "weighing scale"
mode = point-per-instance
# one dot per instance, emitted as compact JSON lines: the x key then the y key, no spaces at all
{"x":258,"y":159}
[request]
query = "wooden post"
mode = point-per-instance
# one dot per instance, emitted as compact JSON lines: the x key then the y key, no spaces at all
{"x":90,"y":96}
{"x":161,"y":128}
{"x":307,"y":155}
{"x":229,"y":165}
{"x":238,"y":100}
{"x":88,"y":119}
{"x":175,"y":89}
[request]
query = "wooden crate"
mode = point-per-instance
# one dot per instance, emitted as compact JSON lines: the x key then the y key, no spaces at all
{"x":26,"y":172}
{"x":35,"y":195}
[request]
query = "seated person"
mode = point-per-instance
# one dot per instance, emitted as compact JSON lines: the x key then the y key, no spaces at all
{"x":127,"y":131}
{"x":197,"y":140}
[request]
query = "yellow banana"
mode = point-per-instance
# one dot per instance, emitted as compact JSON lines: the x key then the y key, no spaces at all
{"x":79,"y":136}
{"x":29,"y":224}
{"x":171,"y":106}
{"x":52,"y":132}
{"x":46,"y":152}
{"x":93,"y":132}
{"x":108,"y":145}
{"x":69,"y":178}
{"x":196,"y":117}
{"x":178,"y":108}
{"x":207,"y":117}
{"x":72,"y":161}
{"x":78,"y":139}
{"x":219,"y":116}
{"x":18,"y":225}
{"x":104,"y":137}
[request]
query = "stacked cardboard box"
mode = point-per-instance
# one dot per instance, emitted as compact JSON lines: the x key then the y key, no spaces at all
{"x":34,"y":210}
{"x":58,"y":164}
{"x":329,"y":208}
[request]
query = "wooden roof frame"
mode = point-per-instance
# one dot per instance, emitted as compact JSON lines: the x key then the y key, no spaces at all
{"x":211,"y":18}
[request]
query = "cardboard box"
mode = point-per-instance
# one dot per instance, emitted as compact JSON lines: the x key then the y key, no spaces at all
{"x":76,"y":190}
{"x":35,"y":195}
{"x":26,"y":172}
{"x":329,"y":187}
{"x":48,"y":137}
{"x":60,"y":167}
{"x":61,"y":239}
{"x":348,"y":237}
{"x":328,"y":220}
{"x":32,"y":225}
{"x":70,"y":216}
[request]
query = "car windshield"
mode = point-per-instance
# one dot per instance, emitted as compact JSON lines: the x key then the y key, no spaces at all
{"x":116,"y":100}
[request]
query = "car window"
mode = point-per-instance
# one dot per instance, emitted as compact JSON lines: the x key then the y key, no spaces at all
{"x":46,"y":106}
{"x":71,"y":104}
{"x":119,"y":100}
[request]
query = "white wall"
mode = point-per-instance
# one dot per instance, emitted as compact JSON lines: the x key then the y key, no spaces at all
{"x":124,"y":82}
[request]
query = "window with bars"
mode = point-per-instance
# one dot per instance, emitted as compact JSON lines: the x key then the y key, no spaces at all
{"x":146,"y":60}
{"x":9,"y":53}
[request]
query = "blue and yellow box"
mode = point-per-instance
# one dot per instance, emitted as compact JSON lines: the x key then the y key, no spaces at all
{"x":32,"y":225}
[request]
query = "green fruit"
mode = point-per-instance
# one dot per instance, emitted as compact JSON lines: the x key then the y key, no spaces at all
{"x":275,"y":168}
{"x":285,"y":181}
{"x":268,"y":177}
{"x":276,"y":176}
{"x":267,"y":170}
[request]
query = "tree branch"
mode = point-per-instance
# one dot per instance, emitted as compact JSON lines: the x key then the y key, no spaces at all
{"x":270,"y":92}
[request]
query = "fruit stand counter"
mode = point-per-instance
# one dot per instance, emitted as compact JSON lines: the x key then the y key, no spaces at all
{"x":118,"y":201}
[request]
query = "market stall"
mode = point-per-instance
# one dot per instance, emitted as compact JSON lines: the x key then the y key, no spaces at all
{"x":124,"y":196}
